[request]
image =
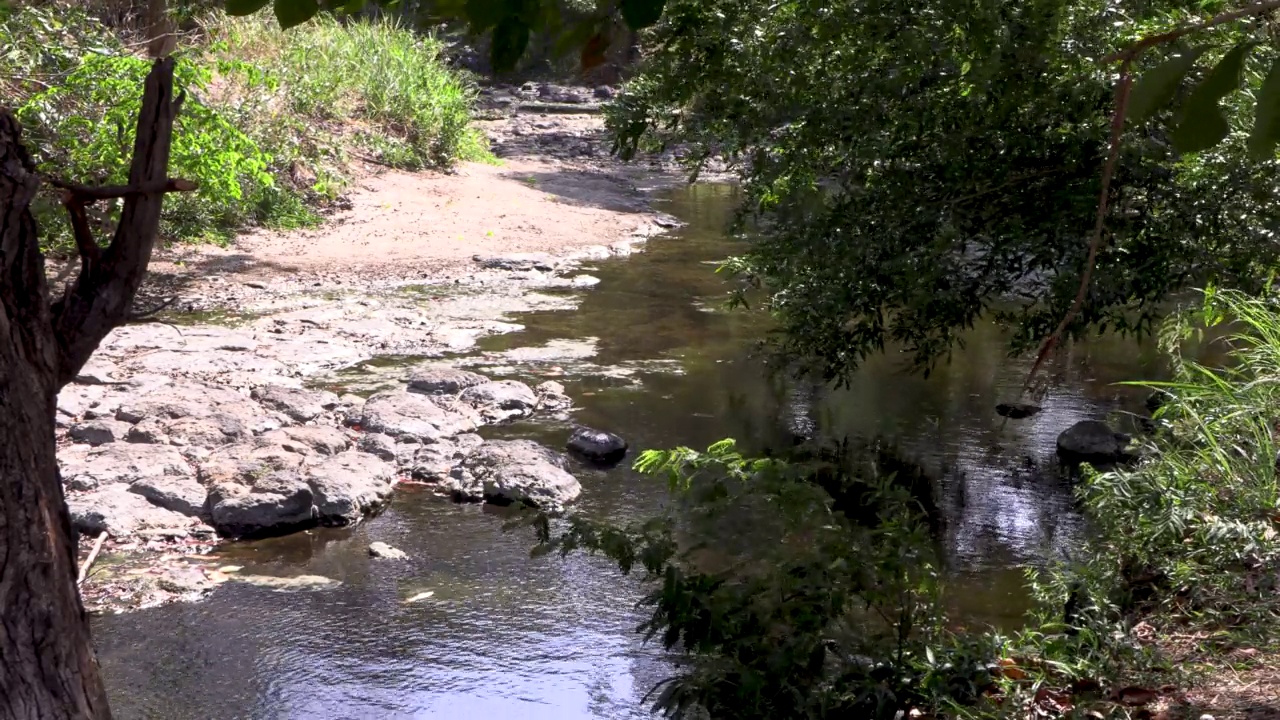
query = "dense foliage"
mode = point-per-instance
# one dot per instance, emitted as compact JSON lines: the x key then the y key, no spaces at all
{"x":917,"y":166}
{"x":268,"y":122}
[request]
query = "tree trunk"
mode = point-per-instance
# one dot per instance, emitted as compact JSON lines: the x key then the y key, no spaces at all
{"x":160,"y":39}
{"x":48,"y":670}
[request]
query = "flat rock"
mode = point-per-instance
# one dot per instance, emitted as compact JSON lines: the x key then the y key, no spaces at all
{"x":99,"y":432}
{"x":517,"y":261}
{"x":180,"y":494}
{"x":120,"y":463}
{"x":301,"y":405}
{"x":98,"y":372}
{"x":350,"y":485}
{"x":118,"y":511}
{"x":501,"y":400}
{"x":443,"y":380}
{"x":515,"y":471}
{"x":386,"y":552}
{"x":308,"y":439}
{"x":1092,"y":441}
{"x":403,"y":414}
{"x":597,"y":446}
{"x":197,"y":400}
{"x":287,"y":584}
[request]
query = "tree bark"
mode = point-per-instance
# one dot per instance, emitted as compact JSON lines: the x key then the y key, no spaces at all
{"x":48,"y":670}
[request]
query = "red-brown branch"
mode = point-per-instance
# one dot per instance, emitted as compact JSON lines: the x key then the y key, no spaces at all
{"x":93,"y":193}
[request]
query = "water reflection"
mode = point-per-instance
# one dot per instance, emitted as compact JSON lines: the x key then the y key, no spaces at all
{"x":505,"y":636}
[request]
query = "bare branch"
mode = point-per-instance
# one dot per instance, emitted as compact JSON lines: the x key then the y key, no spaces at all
{"x":91,"y":193}
{"x":150,"y":313}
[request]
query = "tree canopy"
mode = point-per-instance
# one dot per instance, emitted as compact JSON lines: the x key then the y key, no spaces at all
{"x":915,"y":166}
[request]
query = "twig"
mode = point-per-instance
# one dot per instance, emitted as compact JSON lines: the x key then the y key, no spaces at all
{"x":93,"y":555}
{"x":146,"y":315}
{"x":109,"y":192}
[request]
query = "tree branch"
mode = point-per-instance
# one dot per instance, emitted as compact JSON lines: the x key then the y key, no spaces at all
{"x":93,"y":193}
{"x":102,"y":299}
{"x":1133,"y":51}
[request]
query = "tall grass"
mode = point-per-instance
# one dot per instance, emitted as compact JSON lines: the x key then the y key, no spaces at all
{"x":387,"y":85}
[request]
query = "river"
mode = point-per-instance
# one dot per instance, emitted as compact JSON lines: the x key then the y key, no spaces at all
{"x":648,"y":354}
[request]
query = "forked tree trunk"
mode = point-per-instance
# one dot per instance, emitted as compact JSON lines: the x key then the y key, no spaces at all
{"x":48,"y":670}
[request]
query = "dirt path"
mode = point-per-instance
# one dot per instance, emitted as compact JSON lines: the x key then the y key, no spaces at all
{"x":554,"y":190}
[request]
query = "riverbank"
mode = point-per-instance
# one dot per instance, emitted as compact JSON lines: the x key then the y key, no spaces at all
{"x":238,"y":408}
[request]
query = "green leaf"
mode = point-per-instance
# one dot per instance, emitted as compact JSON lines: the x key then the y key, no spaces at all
{"x":1266,"y":123}
{"x":245,"y":7}
{"x":1158,"y":85}
{"x":295,"y":12}
{"x":484,"y":14}
{"x":640,"y":14}
{"x":1203,"y":124}
{"x":510,"y":38}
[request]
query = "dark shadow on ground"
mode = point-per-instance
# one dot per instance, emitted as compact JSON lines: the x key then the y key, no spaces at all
{"x":585,"y":188}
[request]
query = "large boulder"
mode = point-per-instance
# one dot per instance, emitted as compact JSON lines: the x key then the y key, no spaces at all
{"x":301,"y":405}
{"x":410,"y":415}
{"x":350,"y":485}
{"x":116,"y":510}
{"x":256,"y":490}
{"x":597,"y":446}
{"x":1092,"y":441}
{"x":443,"y":380}
{"x":502,"y":400}
{"x":515,"y":471}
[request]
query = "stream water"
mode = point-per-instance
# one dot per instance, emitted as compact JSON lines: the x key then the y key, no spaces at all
{"x":647,"y":354}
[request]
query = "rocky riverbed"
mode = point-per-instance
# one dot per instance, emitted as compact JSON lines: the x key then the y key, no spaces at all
{"x":258,"y":400}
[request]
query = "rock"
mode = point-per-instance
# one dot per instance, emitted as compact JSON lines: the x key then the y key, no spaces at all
{"x":271,"y":502}
{"x":99,"y":432}
{"x":180,"y":400}
{"x":379,"y":446}
{"x":301,"y":405}
{"x":120,"y":512}
{"x":597,"y":446}
{"x":351,"y":402}
{"x":403,"y":414}
{"x":180,"y":494}
{"x":434,"y":462}
{"x":1157,"y":400}
{"x":1016,"y":411}
{"x":443,"y":380}
{"x":348,"y":486}
{"x":604,"y":92}
{"x":551,"y":396}
{"x":211,"y":431}
{"x":120,"y":463}
{"x":517,"y":261}
{"x":515,"y":471}
{"x":97,"y":372}
{"x":502,"y":400}
{"x":386,"y":552}
{"x":285,"y":584}
{"x":308,"y":439}
{"x":1092,"y":441}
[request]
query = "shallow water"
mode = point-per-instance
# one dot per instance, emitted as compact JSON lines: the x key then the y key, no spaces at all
{"x":648,"y":354}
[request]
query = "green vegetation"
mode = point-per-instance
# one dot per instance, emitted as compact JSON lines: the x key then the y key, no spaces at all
{"x":918,"y":166}
{"x":810,"y":589}
{"x":270,"y":119}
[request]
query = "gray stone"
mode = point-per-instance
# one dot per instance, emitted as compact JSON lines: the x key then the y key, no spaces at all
{"x":99,"y":432}
{"x":272,"y":501}
{"x":121,"y":463}
{"x":386,"y":552}
{"x":210,"y":431}
{"x":350,"y":485}
{"x":198,"y":400}
{"x":551,"y":396}
{"x":351,"y":401}
{"x":604,"y":92}
{"x":148,"y":432}
{"x":98,"y":372}
{"x":517,"y":261}
{"x":1092,"y":441}
{"x":434,"y":462}
{"x":308,"y":439}
{"x":301,"y":405}
{"x":502,"y":400}
{"x":403,"y":414}
{"x":120,"y":512}
{"x":443,"y":380}
{"x":515,"y":471}
{"x":180,"y":494}
{"x":597,"y":446}
{"x":379,"y":446}
{"x":287,"y":584}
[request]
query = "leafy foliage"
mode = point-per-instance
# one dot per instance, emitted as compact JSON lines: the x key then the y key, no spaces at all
{"x":787,"y":606}
{"x":913,"y":167}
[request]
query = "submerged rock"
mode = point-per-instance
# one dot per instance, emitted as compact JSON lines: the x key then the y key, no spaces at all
{"x":1092,"y":441}
{"x":515,"y":471}
{"x":597,"y":446}
{"x":386,"y":552}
